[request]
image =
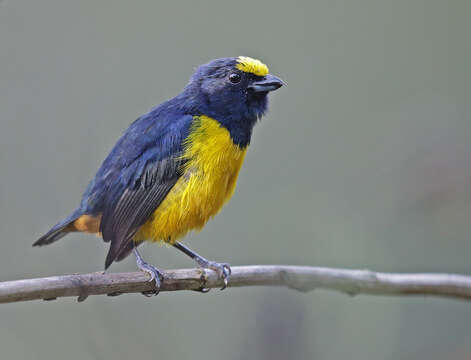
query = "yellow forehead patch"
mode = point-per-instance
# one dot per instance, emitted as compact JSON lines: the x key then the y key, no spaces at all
{"x":250,"y":65}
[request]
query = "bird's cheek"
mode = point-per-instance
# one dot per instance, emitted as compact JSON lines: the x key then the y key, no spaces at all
{"x":211,"y":87}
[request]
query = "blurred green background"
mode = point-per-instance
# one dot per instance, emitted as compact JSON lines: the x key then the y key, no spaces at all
{"x":364,"y":161}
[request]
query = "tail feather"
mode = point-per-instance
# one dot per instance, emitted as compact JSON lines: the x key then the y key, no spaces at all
{"x":57,"y":232}
{"x":69,"y":224}
{"x":49,"y":238}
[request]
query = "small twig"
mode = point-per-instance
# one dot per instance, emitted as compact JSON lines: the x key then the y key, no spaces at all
{"x":302,"y":278}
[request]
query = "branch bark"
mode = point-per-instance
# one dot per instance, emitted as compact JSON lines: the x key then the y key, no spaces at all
{"x":301,"y":278}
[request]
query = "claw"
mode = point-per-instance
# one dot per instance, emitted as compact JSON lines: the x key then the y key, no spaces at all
{"x":223,"y":270}
{"x":203,"y":290}
{"x":155,"y":275}
{"x":150,"y":293}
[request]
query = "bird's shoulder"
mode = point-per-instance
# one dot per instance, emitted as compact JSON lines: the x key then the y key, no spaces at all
{"x":153,"y":142}
{"x":161,"y":130}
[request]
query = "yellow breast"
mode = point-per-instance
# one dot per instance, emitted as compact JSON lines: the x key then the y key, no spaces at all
{"x":208,"y":181}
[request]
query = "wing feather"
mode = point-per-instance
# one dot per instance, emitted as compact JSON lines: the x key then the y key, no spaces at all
{"x":136,"y":177}
{"x":136,"y":205}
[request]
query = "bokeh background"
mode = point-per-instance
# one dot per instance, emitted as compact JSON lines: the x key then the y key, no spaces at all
{"x":364,"y":161}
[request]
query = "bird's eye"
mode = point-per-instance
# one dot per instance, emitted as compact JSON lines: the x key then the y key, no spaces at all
{"x":234,"y":78}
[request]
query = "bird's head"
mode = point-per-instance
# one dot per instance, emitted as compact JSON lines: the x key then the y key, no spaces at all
{"x":232,"y":89}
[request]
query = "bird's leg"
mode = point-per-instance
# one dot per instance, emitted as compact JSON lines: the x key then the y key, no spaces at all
{"x":154,"y":273}
{"x":222,"y":269}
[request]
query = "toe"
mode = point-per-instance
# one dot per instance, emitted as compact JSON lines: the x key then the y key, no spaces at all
{"x":150,"y":293}
{"x":226,"y":269}
{"x":152,"y":275}
{"x":155,"y":275}
{"x":224,"y":272}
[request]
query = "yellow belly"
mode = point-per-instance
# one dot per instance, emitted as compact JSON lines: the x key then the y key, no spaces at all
{"x":208,"y":181}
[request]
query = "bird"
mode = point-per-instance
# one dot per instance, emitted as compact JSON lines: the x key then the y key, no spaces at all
{"x":175,"y":166}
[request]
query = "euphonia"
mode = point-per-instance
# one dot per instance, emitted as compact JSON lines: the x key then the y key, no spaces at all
{"x":175,"y":166}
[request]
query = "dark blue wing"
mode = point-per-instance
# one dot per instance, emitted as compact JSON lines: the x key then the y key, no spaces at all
{"x":122,"y":219}
{"x":136,"y":176}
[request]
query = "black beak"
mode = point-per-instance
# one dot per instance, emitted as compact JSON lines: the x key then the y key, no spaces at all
{"x":268,"y":83}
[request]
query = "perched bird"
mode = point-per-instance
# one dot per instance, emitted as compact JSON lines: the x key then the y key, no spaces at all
{"x":176,"y":166}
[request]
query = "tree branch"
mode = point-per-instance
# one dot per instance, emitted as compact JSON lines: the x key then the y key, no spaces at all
{"x":302,"y":278}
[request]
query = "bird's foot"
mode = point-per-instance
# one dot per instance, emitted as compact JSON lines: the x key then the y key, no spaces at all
{"x":155,"y":275}
{"x":222,"y":269}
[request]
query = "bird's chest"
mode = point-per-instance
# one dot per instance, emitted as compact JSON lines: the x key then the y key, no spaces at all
{"x":209,"y":178}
